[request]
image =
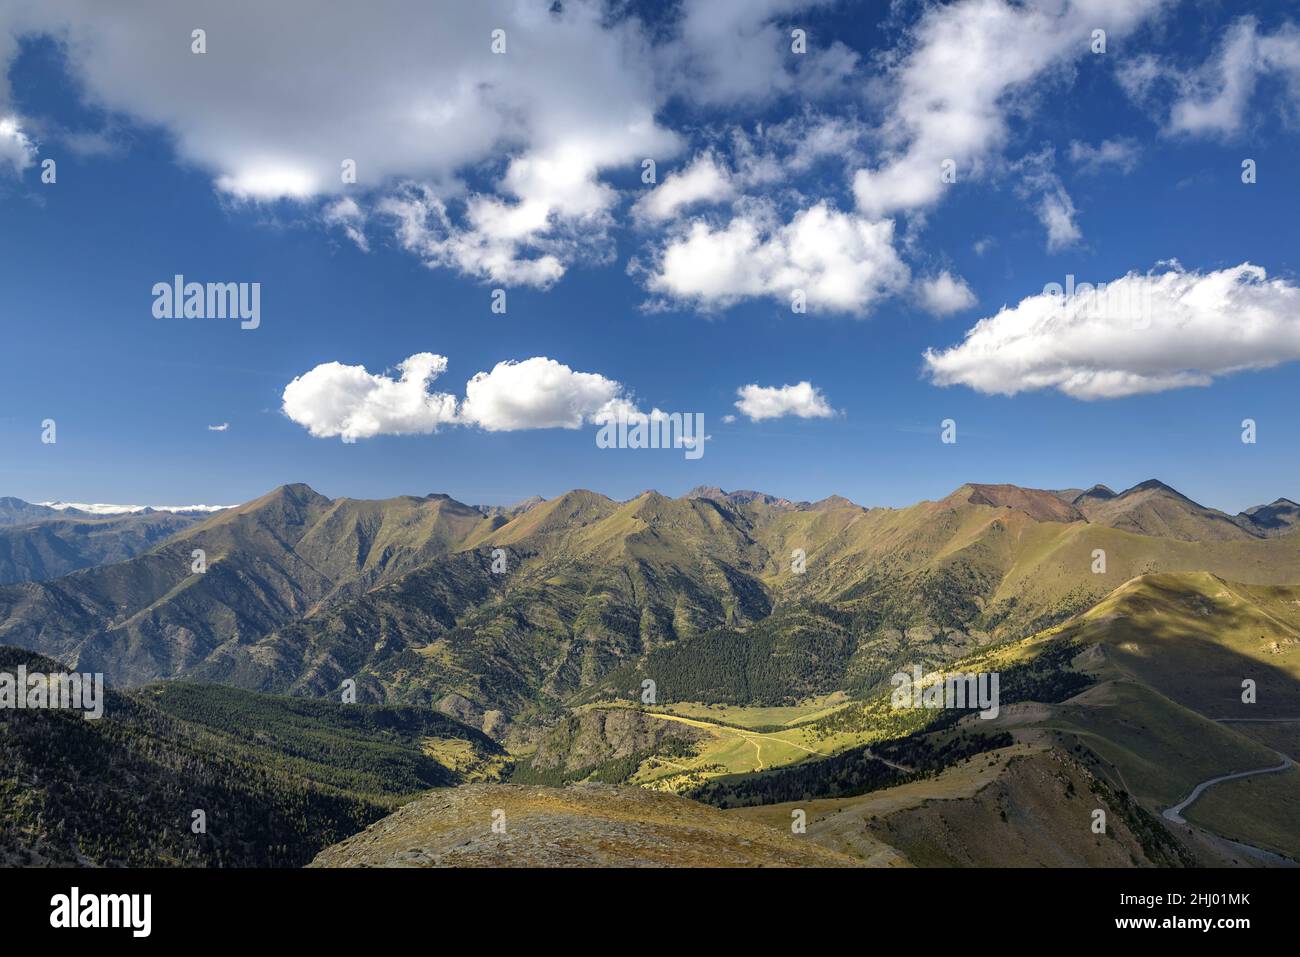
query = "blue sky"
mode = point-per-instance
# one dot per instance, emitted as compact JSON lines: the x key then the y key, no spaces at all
{"x":148,"y":187}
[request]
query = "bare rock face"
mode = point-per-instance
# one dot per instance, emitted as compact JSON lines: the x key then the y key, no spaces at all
{"x":586,"y":825}
{"x":1040,"y":505}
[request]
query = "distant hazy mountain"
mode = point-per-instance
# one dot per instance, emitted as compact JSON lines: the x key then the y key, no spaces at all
{"x":1276,"y":518}
{"x":750,"y":497}
{"x":510,"y":511}
{"x":14,"y":511}
{"x":67,"y":542}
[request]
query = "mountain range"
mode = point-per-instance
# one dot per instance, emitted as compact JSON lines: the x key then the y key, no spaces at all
{"x":301,"y":592}
{"x":767,"y":630}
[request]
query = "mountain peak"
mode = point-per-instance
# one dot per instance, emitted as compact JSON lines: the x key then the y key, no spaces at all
{"x":1151,"y":483}
{"x":1039,"y":504}
{"x":296,"y":489}
{"x":294,"y":497}
{"x":15,"y":511}
{"x":829,"y":503}
{"x":1159,"y":488}
{"x":1276,"y":518}
{"x":510,"y":511}
{"x":1098,"y":491}
{"x":743,"y":496}
{"x":705,"y":491}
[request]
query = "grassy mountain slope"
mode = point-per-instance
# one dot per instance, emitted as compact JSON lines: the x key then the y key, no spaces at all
{"x":587,"y":585}
{"x":584,"y":826}
{"x":1153,"y":508}
{"x":271,"y":561}
{"x":1195,"y":638}
{"x":728,"y":598}
{"x":1155,"y":666}
{"x":277,"y":778}
{"x":1015,"y":806}
{"x":1122,"y":626}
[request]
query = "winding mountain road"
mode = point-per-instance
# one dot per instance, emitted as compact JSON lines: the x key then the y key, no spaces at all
{"x":1175,"y":813}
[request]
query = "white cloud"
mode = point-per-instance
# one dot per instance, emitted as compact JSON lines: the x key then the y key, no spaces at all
{"x":766,"y":155}
{"x":223,"y":427}
{"x":729,"y":51}
{"x":1214,"y":98}
{"x":772,"y":402}
{"x":1036,"y":176}
{"x":336,"y":400}
{"x":1121,"y":153}
{"x":841,"y":261}
{"x":704,"y":180}
{"x":808,"y":138}
{"x":16,"y":148}
{"x":1057,"y":214}
{"x":426,"y":228}
{"x":347,"y":401}
{"x":944,"y":294}
{"x":500,"y":166}
{"x":410,"y":92}
{"x":345,"y":214}
{"x":1143,"y":333}
{"x":540,"y":393}
{"x":102,"y":508}
{"x":951,"y":92}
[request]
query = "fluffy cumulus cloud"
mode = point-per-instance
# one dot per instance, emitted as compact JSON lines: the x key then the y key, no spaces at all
{"x":703,"y":181}
{"x":540,"y":393}
{"x":805,"y":401}
{"x":944,"y":294}
{"x":502,"y":165}
{"x":416,"y":95}
{"x":337,"y":400}
{"x":840,"y":262}
{"x":771,"y":240}
{"x":1141,"y":333}
{"x":947,"y":94}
